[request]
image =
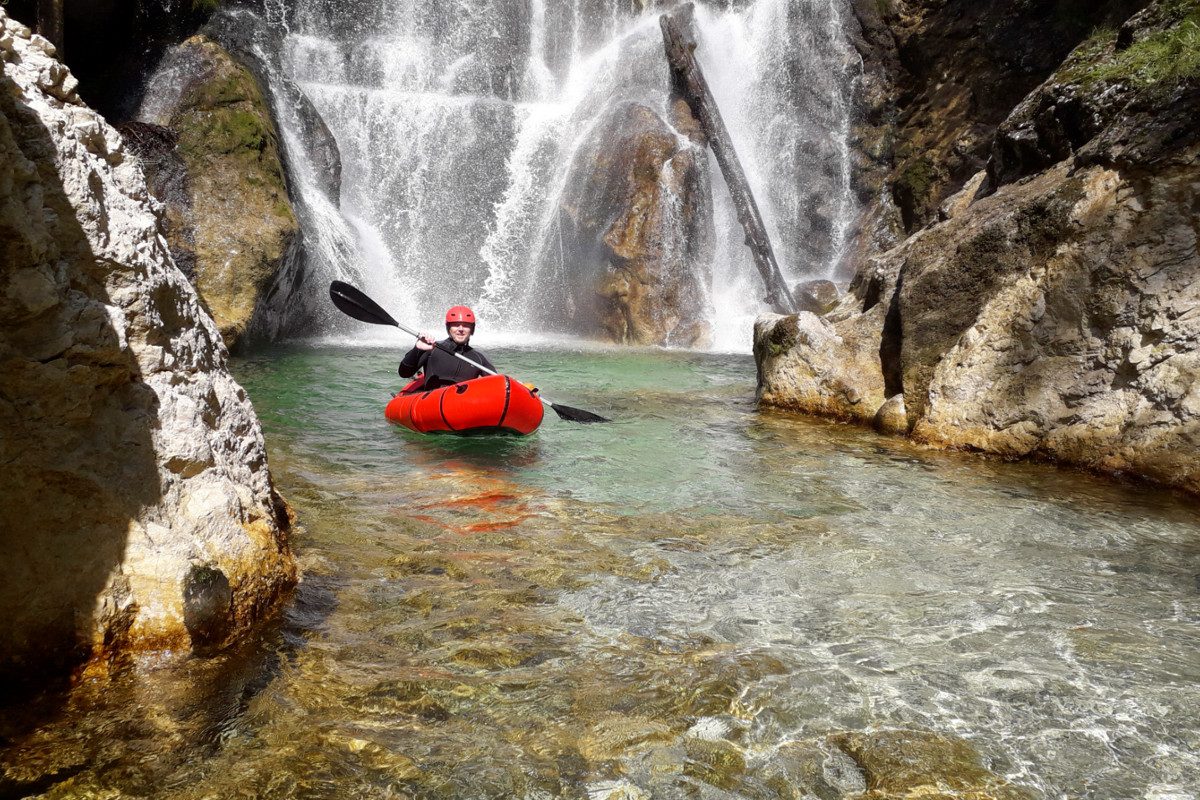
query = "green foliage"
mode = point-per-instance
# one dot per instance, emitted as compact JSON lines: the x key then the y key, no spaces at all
{"x":206,"y":6}
{"x":1164,"y":58}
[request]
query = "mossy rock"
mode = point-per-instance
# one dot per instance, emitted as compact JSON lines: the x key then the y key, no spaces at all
{"x":1163,"y":57}
{"x":783,"y":336}
{"x":243,"y":223}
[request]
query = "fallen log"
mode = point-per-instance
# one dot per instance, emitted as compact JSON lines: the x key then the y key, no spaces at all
{"x":688,"y":82}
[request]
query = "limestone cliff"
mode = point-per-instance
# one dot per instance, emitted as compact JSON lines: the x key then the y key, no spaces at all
{"x":136,"y":507}
{"x":939,"y":76}
{"x":1053,"y":311}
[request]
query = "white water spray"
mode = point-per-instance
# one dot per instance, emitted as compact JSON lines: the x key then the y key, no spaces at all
{"x":457,"y":129}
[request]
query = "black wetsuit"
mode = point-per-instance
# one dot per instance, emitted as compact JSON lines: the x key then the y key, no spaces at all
{"x":441,"y":368}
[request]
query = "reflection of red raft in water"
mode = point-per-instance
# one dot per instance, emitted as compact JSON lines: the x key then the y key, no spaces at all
{"x":491,"y":404}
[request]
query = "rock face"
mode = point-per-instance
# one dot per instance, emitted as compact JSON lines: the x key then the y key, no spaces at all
{"x":939,"y":76}
{"x":637,"y":229}
{"x":1054,"y":312}
{"x":235,"y":222}
{"x":131,"y":465}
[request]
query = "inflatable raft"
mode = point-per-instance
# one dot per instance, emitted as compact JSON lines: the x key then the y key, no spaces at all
{"x":492,"y":404}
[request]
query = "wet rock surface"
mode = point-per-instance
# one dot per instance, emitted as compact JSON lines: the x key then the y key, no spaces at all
{"x":638,"y":224}
{"x":129,"y":453}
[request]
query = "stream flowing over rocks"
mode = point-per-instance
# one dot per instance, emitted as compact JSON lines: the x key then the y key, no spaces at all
{"x":1052,"y":310}
{"x":136,"y":505}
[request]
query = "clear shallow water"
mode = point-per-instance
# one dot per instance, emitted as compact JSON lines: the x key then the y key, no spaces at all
{"x":688,"y":602}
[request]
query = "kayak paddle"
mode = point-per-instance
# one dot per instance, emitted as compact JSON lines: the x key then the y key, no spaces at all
{"x":353,"y":303}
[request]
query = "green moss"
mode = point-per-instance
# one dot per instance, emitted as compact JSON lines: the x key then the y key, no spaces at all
{"x":783,"y":336}
{"x":206,"y":6}
{"x":916,"y":179}
{"x":1164,"y":58}
{"x":225,"y":131}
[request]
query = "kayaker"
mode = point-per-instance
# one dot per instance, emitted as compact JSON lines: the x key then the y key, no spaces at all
{"x":441,"y":368}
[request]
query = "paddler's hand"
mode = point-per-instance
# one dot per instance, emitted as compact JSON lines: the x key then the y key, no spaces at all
{"x":424,"y":342}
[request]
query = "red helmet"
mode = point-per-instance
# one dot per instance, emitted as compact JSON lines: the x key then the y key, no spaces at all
{"x":460,"y":314}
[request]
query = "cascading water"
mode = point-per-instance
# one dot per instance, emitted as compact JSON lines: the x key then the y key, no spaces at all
{"x":458,"y":128}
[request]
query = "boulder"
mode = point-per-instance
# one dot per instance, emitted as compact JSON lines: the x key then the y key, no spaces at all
{"x":892,"y":418}
{"x":637,"y":233}
{"x":242,"y":230}
{"x":818,"y":297}
{"x":807,"y":364}
{"x":135,"y":500}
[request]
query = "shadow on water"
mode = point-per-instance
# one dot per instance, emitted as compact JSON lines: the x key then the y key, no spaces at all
{"x":487,"y":453}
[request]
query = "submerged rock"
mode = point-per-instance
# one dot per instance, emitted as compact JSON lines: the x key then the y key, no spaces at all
{"x":130,"y":456}
{"x":905,"y":764}
{"x":237,"y":224}
{"x":637,"y":233}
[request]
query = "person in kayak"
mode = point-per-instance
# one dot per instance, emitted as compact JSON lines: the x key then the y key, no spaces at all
{"x":441,"y":368}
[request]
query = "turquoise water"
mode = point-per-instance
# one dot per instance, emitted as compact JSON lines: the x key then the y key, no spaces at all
{"x":700,"y":599}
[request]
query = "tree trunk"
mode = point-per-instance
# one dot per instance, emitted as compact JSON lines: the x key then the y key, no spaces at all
{"x":50,"y":22}
{"x":688,"y":82}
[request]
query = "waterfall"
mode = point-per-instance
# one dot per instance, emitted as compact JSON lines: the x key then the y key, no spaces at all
{"x":457,"y":127}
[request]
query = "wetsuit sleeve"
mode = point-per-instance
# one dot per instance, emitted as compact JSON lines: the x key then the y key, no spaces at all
{"x":413,"y":360}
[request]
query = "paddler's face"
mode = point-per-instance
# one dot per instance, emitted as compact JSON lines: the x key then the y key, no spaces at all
{"x":460,"y":332}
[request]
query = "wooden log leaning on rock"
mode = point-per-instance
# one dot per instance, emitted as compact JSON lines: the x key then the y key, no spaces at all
{"x":688,"y":81}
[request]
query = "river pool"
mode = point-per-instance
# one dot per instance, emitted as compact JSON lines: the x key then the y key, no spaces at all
{"x":699,"y":600}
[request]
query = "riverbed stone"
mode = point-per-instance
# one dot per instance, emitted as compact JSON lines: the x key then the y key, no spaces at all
{"x":717,"y":763}
{"x":129,"y":454}
{"x":891,"y":418}
{"x":615,"y":735}
{"x":910,"y":763}
{"x":237,"y":223}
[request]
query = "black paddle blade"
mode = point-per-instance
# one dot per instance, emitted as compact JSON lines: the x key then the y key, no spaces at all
{"x":353,"y":303}
{"x":577,"y":414}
